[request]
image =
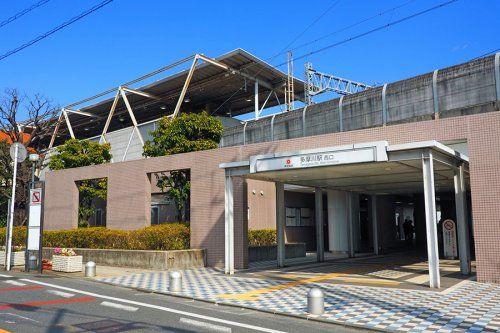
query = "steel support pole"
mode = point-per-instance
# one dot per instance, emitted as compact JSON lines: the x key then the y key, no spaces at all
{"x":229,"y":226}
{"x":8,"y":250}
{"x":280,"y":223}
{"x":318,"y":208}
{"x":374,"y":223}
{"x":430,"y":219}
{"x":256,"y":99}
{"x":462,"y":224}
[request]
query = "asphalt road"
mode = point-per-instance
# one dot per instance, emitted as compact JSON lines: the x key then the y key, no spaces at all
{"x":33,"y":303}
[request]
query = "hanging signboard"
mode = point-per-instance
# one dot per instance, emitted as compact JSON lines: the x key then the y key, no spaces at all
{"x":316,"y":159}
{"x":35,"y":214}
{"x":450,"y":239}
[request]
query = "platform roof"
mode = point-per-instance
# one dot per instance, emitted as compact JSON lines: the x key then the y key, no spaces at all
{"x":221,"y":92}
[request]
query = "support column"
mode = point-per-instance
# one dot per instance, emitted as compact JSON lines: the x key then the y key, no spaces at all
{"x":229,"y":227}
{"x":337,"y":221}
{"x":280,"y":223}
{"x":318,"y":208}
{"x":374,"y":223}
{"x":462,"y":224}
{"x":430,"y":219}
{"x":350,"y":224}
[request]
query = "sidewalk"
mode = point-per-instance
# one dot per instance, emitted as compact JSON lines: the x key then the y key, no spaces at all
{"x":467,"y":307}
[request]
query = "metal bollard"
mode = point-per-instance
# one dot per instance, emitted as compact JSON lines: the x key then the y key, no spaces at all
{"x":32,"y":263}
{"x":175,"y":282}
{"x":316,"y":301}
{"x":90,"y":269}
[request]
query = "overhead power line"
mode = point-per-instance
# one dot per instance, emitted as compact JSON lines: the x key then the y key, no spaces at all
{"x":344,"y":41}
{"x":23,"y":12}
{"x":380,"y":14}
{"x":487,"y":54}
{"x":56,"y":29}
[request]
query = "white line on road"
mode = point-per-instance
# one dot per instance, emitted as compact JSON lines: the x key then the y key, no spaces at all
{"x":161,"y":308}
{"x":5,"y":275}
{"x":204,"y":325}
{"x":60,"y":293}
{"x":119,"y":306}
{"x":19,"y":316}
{"x":15,"y":283}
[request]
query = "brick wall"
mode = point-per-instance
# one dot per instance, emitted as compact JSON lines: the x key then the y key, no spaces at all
{"x":130,"y":188}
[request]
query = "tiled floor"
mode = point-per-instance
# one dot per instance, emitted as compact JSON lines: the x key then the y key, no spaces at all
{"x":468,"y":306}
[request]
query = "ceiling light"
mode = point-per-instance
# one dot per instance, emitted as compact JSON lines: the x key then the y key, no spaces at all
{"x":249,"y":99}
{"x":187,"y":100}
{"x":121,"y":119}
{"x":86,"y":129}
{"x":163,"y":107}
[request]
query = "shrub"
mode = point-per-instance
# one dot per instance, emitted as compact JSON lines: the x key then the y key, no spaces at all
{"x":18,"y":236}
{"x":262,"y":237}
{"x":173,"y":236}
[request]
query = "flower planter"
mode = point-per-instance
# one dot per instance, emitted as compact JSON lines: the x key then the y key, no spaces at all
{"x":67,"y":264}
{"x":16,"y":258}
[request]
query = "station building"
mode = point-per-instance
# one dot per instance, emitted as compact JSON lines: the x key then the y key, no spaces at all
{"x":340,"y":176}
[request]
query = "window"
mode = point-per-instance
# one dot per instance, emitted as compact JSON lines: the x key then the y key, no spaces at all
{"x":98,"y":217}
{"x":155,"y":215}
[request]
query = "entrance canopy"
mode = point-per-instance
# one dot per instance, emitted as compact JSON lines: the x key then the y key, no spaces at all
{"x":370,"y":168}
{"x":374,"y":168}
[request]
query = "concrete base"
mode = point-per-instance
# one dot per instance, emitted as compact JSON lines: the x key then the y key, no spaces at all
{"x":264,"y":253}
{"x":157,"y":260}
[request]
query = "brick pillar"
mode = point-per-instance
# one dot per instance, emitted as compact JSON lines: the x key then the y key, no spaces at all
{"x":129,"y":197}
{"x":61,"y":201}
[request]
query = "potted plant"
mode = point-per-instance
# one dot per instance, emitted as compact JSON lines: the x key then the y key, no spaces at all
{"x":66,"y":260}
{"x":16,"y":255}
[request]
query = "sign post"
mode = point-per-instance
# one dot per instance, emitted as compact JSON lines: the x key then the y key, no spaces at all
{"x":18,"y":154}
{"x":450,"y":239}
{"x":34,"y":222}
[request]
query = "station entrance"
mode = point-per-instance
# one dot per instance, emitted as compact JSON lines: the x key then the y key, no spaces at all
{"x":368,"y":198}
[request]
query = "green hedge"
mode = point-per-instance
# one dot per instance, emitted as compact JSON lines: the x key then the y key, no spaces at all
{"x":174,"y":236}
{"x":261,"y":237}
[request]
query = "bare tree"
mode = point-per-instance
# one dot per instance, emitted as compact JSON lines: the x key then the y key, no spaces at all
{"x":29,"y":120}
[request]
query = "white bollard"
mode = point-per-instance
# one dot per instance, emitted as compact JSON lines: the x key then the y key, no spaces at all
{"x":316,"y":301}
{"x":90,"y":269}
{"x":175,"y":282}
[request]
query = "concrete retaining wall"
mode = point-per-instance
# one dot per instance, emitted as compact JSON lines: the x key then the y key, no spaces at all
{"x":262,"y":253}
{"x":160,"y":260}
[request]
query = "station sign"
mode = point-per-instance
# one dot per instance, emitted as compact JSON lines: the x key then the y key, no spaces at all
{"x":450,"y":239}
{"x":35,"y":214}
{"x":316,"y":159}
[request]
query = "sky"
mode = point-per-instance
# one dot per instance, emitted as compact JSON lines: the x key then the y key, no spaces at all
{"x":128,"y":38}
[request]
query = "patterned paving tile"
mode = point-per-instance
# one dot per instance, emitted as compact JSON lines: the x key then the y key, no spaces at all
{"x":469,"y":307}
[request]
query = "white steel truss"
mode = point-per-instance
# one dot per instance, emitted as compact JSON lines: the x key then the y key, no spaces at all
{"x":123,"y":90}
{"x":316,"y":83}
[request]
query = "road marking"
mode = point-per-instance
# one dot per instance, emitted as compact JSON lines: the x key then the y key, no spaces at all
{"x":157,"y":307}
{"x":60,"y":293}
{"x":254,"y":295}
{"x":49,"y":302}
{"x":19,"y":316}
{"x":205,"y":326}
{"x":15,"y":283}
{"x":5,"y":275}
{"x":119,"y":306}
{"x":21,"y":288}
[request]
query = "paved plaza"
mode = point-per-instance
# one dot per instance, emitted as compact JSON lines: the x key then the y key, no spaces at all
{"x":362,"y":293}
